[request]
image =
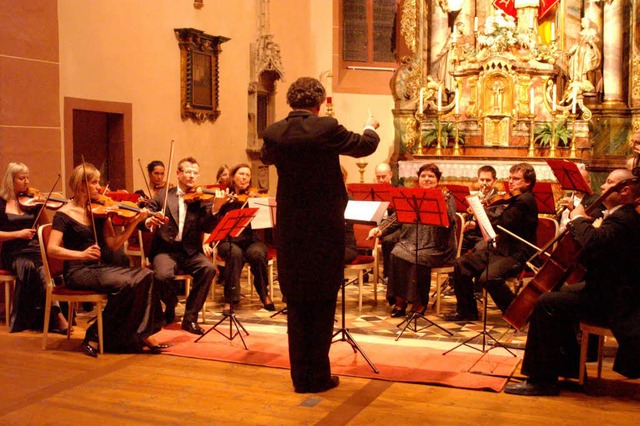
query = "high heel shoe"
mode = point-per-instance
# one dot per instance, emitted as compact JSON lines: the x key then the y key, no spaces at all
{"x":157,"y":348}
{"x":88,"y":349}
{"x":268,"y":304}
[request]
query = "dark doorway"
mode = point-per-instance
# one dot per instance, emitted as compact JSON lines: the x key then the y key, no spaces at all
{"x":101,"y":133}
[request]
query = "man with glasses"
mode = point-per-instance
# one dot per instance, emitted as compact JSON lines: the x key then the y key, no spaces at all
{"x":177,"y":245}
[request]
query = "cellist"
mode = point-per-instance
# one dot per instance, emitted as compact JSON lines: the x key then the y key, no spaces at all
{"x":610,"y":294}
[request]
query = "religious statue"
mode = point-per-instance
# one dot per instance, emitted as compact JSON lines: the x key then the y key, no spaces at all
{"x":447,"y":59}
{"x":585,"y":56}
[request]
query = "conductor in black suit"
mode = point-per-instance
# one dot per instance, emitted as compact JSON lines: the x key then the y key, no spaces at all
{"x":305,"y":149}
{"x":177,"y":245}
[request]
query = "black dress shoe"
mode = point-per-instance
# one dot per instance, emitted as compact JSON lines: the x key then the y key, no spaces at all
{"x":398,"y":312}
{"x":532,"y":389}
{"x":458,"y":317}
{"x":332,"y":383}
{"x":88,"y":349}
{"x":192,"y":327}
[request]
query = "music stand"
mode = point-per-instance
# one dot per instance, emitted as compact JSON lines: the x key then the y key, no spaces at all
{"x":232,"y":224}
{"x":569,"y":176}
{"x":370,"y":191}
{"x":419,"y":206}
{"x":489,"y":235}
{"x":460,"y":194}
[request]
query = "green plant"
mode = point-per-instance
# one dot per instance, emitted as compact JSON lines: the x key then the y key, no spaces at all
{"x":543,"y":133}
{"x":447,"y":134}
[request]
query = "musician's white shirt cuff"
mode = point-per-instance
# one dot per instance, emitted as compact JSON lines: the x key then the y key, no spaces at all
{"x":369,"y":128}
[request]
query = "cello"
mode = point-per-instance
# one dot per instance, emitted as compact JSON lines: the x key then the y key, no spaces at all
{"x":556,"y":269}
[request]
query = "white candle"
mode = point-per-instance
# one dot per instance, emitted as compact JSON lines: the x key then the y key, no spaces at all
{"x":454,"y":35}
{"x":439,"y":97}
{"x":531,"y":104}
{"x":555,"y":94}
{"x":421,"y":100}
{"x":457,"y":101}
{"x":475,"y":24}
{"x":553,"y":31}
{"x":575,"y":100}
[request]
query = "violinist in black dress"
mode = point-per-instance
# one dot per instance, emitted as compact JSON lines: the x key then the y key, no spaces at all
{"x":21,"y":255}
{"x":128,"y":318}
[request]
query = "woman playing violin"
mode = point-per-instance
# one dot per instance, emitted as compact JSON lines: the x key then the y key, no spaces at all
{"x":247,"y":247}
{"x":223,"y":175}
{"x":155,"y":171}
{"x":129,"y":315}
{"x":436,"y":246}
{"x":21,"y":254}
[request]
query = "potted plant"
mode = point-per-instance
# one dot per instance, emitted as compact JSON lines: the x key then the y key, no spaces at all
{"x":543,"y":133}
{"x":447,"y":133}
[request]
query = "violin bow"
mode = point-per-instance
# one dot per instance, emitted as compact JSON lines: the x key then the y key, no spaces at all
{"x":86,"y":183}
{"x":166,"y":192}
{"x":35,"y":222}
{"x":144,"y":176}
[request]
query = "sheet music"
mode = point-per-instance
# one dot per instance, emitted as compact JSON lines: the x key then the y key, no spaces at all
{"x":481,"y":217}
{"x":365,"y":211}
{"x":265,"y":218}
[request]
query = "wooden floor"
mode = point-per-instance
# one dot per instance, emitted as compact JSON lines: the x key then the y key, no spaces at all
{"x":63,"y":386}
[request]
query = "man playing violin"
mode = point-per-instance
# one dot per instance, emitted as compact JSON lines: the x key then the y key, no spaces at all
{"x":486,"y":190}
{"x":490,"y":267}
{"x":610,"y":294}
{"x":177,"y":244}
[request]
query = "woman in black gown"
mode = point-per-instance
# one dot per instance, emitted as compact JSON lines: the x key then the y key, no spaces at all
{"x":21,"y":255}
{"x":128,"y":319}
{"x":248,"y":246}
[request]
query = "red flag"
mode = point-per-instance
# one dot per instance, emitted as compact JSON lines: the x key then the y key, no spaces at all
{"x":509,"y":6}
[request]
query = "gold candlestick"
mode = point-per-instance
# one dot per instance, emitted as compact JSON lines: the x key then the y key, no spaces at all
{"x":361,"y":166}
{"x":456,"y":146}
{"x":531,"y":152}
{"x":572,"y":150}
{"x":552,"y":151}
{"x":438,"y":145}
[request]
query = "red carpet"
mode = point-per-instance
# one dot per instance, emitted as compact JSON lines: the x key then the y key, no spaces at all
{"x":408,"y":360}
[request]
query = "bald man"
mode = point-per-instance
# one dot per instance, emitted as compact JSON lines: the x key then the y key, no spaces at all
{"x":608,"y":296}
{"x":383,"y":173}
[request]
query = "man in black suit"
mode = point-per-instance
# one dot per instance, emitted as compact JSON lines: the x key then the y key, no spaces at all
{"x":567,"y":204}
{"x":177,"y":245}
{"x":305,"y":149}
{"x":508,"y":258}
{"x":610,"y":295}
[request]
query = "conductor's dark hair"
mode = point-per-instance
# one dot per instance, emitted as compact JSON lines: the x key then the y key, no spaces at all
{"x":432,"y":168}
{"x":306,"y":92}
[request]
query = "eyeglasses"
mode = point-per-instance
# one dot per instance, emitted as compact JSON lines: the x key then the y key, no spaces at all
{"x":190,"y":172}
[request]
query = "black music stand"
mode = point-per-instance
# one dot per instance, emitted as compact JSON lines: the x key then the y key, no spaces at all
{"x":489,"y":237}
{"x":232,"y":224}
{"x":426,"y":207}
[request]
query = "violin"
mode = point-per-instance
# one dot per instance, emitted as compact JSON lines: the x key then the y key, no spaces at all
{"x":500,"y":198}
{"x":248,"y":193}
{"x":201,"y":193}
{"x":33,"y":198}
{"x":103,"y":206}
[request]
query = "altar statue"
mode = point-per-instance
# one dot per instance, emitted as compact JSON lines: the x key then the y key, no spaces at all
{"x":447,"y":58}
{"x":585,"y":56}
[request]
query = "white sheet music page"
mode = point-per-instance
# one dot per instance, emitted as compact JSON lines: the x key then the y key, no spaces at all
{"x":365,"y":211}
{"x":265,"y":218}
{"x":481,"y":217}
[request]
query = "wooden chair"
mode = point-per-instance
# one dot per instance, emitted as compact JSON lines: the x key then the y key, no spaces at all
{"x":364,"y":262}
{"x":448,"y":268}
{"x":219,"y":263}
{"x":586,"y":330}
{"x":52,"y":270}
{"x":144,"y":240}
{"x":9,"y":281}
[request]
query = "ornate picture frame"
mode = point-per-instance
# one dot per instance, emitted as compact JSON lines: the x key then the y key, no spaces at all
{"x":199,"y":82}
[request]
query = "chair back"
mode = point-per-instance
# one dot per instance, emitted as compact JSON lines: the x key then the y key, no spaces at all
{"x":52,"y":267}
{"x":460,"y":230}
{"x":362,"y":232}
{"x":548,"y":229}
{"x":144,"y":239}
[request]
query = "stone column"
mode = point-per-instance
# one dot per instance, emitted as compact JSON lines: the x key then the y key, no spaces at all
{"x":612,"y":53}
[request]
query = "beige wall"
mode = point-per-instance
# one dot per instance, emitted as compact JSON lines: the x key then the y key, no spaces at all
{"x":125,"y":51}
